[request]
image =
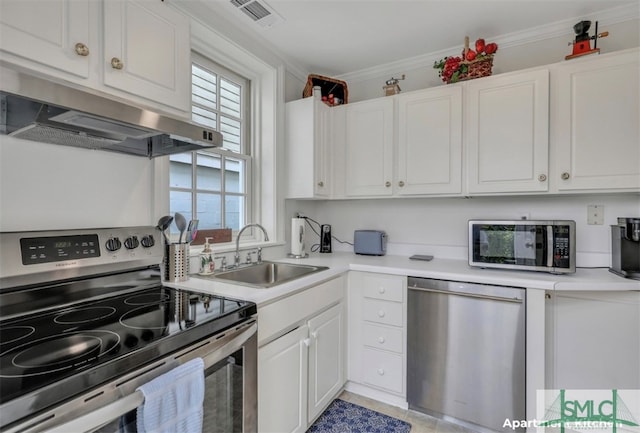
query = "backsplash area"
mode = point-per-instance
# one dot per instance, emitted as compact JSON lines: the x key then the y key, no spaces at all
{"x":438,"y":226}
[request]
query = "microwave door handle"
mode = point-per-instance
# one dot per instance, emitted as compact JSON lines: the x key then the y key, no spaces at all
{"x":549,"y":246}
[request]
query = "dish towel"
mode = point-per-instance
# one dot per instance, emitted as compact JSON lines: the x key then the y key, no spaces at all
{"x":173,"y":401}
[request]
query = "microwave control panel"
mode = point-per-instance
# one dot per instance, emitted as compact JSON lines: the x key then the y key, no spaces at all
{"x":561,"y":247}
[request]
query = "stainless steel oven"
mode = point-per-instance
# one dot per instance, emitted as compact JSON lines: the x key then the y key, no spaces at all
{"x":84,"y":324}
{"x":534,"y":245}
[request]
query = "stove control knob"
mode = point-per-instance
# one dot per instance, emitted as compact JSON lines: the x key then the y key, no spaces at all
{"x":131,"y":242}
{"x":147,"y":241}
{"x":113,"y":244}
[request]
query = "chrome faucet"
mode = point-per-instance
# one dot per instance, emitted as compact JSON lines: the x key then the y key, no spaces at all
{"x":236,"y":257}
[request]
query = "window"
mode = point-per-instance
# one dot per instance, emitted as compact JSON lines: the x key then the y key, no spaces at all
{"x":214,"y":185}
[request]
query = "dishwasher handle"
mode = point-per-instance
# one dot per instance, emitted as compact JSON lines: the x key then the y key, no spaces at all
{"x":515,"y":299}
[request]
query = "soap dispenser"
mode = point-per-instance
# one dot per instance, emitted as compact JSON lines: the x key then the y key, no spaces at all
{"x":207,"y":264}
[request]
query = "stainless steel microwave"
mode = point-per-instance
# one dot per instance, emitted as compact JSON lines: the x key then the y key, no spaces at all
{"x":533,"y":245}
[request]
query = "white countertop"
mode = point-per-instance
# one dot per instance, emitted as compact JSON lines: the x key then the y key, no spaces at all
{"x":444,"y":269}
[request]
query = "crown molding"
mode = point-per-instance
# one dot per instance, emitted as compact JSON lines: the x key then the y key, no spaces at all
{"x":532,"y":35}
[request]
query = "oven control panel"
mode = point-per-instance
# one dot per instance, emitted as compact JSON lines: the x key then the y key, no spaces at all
{"x":56,"y":249}
{"x":26,"y":253}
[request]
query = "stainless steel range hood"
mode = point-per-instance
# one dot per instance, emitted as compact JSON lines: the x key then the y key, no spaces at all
{"x":40,"y":110}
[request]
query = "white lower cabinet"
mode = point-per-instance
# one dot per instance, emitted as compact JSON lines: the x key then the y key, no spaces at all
{"x":593,"y":340}
{"x":377,"y":335}
{"x":302,"y":371}
{"x":282,"y":383}
{"x":326,"y":359}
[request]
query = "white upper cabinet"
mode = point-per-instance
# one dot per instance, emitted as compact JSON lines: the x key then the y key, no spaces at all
{"x":369,"y":148}
{"x":147,"y":51}
{"x":429,"y":147}
{"x":570,"y":127}
{"x":507,"y":133}
{"x":135,"y":49}
{"x":596,"y":123}
{"x":51,"y":33}
{"x":308,"y":149}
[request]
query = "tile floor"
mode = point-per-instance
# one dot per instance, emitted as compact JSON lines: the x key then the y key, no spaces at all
{"x":420,"y":423}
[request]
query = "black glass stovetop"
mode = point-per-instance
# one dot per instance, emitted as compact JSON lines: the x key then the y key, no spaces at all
{"x":105,"y":327}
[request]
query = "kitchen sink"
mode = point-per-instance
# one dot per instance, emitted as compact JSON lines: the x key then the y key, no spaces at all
{"x":266,"y":274}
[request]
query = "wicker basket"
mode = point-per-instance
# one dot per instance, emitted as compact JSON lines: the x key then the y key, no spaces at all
{"x":476,"y":68}
{"x":328,"y":86}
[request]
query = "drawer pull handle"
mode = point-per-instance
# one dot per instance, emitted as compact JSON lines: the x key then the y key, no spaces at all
{"x":381,"y":340}
{"x":381,"y":290}
{"x":381,"y":313}
{"x":381,"y":372}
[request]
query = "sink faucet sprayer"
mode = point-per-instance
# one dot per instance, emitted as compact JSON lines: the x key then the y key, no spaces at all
{"x":236,"y":257}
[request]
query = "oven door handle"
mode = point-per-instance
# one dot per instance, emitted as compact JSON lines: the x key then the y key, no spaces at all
{"x":102,"y":416}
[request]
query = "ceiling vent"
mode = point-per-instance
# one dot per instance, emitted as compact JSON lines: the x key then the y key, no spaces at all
{"x":259,"y":12}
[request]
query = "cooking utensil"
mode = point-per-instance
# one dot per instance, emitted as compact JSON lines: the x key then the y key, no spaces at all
{"x":163,"y":224}
{"x":181,"y":224}
{"x":192,"y":230}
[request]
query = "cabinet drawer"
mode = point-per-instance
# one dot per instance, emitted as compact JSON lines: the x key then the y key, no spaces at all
{"x":389,"y":313}
{"x":286,"y":313}
{"x":383,"y":369}
{"x":382,"y":337}
{"x":386,"y":287}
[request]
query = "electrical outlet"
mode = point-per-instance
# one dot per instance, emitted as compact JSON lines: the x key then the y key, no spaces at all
{"x":595,"y":214}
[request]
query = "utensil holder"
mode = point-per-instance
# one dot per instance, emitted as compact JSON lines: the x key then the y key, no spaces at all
{"x":176,"y":262}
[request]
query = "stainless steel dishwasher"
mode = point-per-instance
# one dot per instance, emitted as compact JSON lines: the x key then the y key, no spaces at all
{"x":466,"y":351}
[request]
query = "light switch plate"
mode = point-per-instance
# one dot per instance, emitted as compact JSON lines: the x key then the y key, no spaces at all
{"x":595,"y":214}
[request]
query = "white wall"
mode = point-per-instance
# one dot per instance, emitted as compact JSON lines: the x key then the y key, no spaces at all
{"x":511,"y":58}
{"x":368,"y":84}
{"x":438,"y":226}
{"x":47,"y":187}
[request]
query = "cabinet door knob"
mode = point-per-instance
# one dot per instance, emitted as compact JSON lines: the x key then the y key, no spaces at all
{"x":542,"y":177}
{"x":321,"y":184}
{"x":381,"y":340}
{"x":307,"y":342}
{"x":116,"y":63}
{"x":381,"y":313}
{"x":314,"y":335}
{"x":387,"y":184}
{"x":82,"y":49}
{"x":381,"y":290}
{"x":565,"y":176}
{"x":401,"y":184}
{"x":381,"y":372}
